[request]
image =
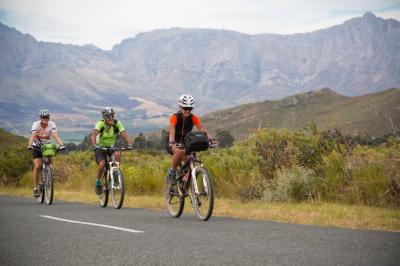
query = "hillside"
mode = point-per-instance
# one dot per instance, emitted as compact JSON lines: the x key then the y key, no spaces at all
{"x":15,"y":159}
{"x":221,"y":68}
{"x":7,"y":139}
{"x":355,"y":115}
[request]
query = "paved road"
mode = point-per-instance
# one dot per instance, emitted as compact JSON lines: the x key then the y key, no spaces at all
{"x":74,"y":234}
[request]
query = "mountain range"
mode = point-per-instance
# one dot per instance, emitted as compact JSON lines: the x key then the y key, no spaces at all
{"x":143,"y":76}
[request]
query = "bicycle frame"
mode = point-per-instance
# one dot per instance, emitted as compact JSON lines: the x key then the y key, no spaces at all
{"x":112,"y":180}
{"x":192,"y":177}
{"x":190,"y":163}
{"x":111,"y":164}
{"x":193,"y":180}
{"x":46,"y":162}
{"x":46,"y":186}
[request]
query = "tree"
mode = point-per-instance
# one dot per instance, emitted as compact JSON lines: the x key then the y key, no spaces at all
{"x":224,"y":138}
{"x":71,"y":146}
{"x":86,"y":143}
{"x":140,"y":141}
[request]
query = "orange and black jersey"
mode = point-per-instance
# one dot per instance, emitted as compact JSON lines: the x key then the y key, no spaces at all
{"x":183,"y":125}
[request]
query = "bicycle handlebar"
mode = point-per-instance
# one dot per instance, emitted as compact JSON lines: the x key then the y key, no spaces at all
{"x":115,"y":149}
{"x":182,"y":146}
{"x":58,"y":148}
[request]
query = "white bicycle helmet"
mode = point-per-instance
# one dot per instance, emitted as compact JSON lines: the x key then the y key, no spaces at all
{"x":108,"y":111}
{"x":44,"y":113}
{"x":186,"y":100}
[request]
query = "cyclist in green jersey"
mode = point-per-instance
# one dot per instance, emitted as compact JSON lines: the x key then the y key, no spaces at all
{"x":105,"y":135}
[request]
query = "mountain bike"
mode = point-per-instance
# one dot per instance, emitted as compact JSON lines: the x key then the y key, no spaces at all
{"x":192,"y":180}
{"x":46,"y":176}
{"x":112,"y":180}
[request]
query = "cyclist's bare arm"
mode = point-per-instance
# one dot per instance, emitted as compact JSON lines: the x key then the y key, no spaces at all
{"x":57,"y":138}
{"x":171,"y":133}
{"x":31,"y":138}
{"x":125,"y":135}
{"x":94,"y":136}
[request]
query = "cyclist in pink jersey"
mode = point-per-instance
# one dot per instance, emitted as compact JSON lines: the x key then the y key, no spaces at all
{"x":41,"y":132}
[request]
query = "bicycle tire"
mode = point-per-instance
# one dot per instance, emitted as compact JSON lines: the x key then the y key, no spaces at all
{"x":48,"y":185}
{"x":203,"y":203}
{"x":103,"y":197}
{"x":40,"y":198}
{"x":117,"y":187}
{"x":173,"y":201}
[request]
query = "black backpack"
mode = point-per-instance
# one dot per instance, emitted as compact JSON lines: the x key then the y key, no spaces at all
{"x":116,"y":130}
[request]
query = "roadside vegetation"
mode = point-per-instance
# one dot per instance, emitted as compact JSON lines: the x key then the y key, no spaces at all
{"x":304,"y":176}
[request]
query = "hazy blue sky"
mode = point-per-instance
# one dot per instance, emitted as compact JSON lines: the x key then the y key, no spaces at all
{"x":106,"y":22}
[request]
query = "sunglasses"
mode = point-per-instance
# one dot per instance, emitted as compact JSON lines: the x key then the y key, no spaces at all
{"x":109,"y":116}
{"x":187,"y":108}
{"x":45,"y":117}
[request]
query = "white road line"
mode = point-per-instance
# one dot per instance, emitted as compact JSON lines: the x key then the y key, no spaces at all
{"x":93,"y":224}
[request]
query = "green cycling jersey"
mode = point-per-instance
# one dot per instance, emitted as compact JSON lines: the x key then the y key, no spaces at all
{"x":108,"y":134}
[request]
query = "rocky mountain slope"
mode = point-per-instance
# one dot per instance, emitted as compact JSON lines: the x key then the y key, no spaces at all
{"x":373,"y":114}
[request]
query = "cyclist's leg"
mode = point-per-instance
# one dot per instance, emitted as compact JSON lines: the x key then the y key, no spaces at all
{"x":99,"y":172}
{"x":35,"y":175}
{"x":178,"y":155}
{"x":101,"y":163}
{"x":36,"y":170}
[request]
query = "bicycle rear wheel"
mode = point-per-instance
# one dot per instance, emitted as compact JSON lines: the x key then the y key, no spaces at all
{"x":103,"y":196}
{"x":203,"y":203}
{"x":173,"y":201}
{"x":48,"y":185}
{"x":117,"y":186}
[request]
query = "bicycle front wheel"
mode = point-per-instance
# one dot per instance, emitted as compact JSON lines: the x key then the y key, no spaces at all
{"x":117,"y":188}
{"x":48,"y":185}
{"x":173,"y":201}
{"x":203,"y":201}
{"x":103,"y":195}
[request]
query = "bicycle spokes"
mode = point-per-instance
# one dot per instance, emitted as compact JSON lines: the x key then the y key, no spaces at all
{"x":103,"y":193}
{"x":174,"y":199}
{"x":48,"y":185}
{"x":117,"y":188}
{"x":202,"y":194}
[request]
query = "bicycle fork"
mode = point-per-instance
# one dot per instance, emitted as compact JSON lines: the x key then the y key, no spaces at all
{"x":195,"y":186}
{"x":112,"y":167}
{"x":42,"y":177}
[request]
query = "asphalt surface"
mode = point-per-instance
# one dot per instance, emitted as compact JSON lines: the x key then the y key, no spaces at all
{"x":33,"y":234}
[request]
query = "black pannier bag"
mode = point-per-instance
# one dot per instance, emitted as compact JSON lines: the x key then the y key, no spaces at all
{"x":196,"y":141}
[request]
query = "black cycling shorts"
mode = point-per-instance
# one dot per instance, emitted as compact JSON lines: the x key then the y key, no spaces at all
{"x":101,"y":155}
{"x":169,"y":150}
{"x":37,"y":153}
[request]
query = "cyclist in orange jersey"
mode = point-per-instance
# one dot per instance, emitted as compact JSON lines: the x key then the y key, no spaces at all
{"x":180,"y":124}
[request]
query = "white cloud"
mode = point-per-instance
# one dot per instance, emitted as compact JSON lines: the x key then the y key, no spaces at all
{"x":106,"y":22}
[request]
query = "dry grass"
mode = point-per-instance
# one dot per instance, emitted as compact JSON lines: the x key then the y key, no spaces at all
{"x":318,"y":213}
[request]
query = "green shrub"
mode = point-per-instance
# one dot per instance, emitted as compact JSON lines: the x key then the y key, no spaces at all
{"x":14,"y":162}
{"x":334,"y":177}
{"x":271,"y":165}
{"x":296,"y":184}
{"x":369,"y":184}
